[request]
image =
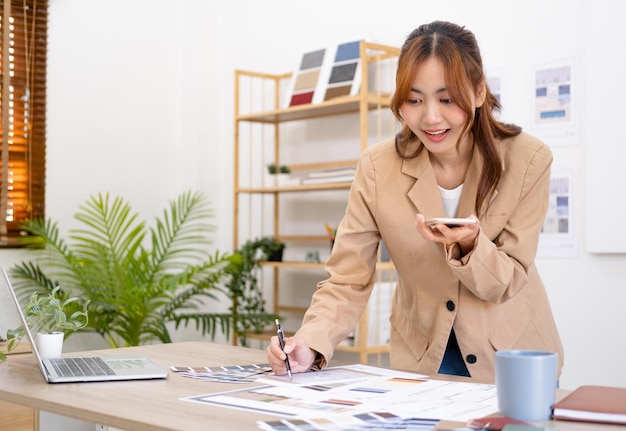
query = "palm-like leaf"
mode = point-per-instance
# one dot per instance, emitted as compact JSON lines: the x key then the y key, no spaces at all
{"x":137,"y":279}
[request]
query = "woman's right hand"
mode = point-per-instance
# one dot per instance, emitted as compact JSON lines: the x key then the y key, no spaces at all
{"x":301,"y":357}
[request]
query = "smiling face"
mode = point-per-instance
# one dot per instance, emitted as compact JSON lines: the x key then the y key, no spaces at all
{"x":441,"y":99}
{"x":432,"y":113}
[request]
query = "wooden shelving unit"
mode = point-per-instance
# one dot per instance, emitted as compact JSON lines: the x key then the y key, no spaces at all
{"x":258,"y":103}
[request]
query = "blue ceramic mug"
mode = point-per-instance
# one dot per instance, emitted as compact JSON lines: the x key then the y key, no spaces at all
{"x":526,"y":383}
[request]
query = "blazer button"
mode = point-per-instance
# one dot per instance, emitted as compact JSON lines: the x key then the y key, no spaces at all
{"x":471,"y":359}
{"x":450,"y":305}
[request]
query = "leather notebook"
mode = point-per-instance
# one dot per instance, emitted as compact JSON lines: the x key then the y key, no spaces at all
{"x":604,"y":404}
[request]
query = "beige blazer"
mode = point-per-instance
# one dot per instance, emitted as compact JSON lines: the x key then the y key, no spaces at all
{"x":493,"y":296}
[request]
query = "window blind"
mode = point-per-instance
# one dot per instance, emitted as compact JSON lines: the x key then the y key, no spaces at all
{"x":23,"y":60}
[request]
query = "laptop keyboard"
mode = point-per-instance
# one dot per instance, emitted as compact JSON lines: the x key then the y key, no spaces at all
{"x":81,"y":367}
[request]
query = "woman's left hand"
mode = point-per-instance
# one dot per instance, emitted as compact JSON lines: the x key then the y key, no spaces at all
{"x":464,"y":235}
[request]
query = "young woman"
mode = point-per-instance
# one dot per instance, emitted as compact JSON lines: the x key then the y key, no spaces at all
{"x":463,"y":292}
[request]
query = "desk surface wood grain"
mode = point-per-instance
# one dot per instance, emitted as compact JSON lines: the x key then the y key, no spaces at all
{"x":155,"y":405}
{"x":14,"y":417}
{"x":136,"y":405}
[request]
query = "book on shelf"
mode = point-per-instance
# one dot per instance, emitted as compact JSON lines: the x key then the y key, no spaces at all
{"x":331,"y":173}
{"x":325,"y":180}
{"x":604,"y":404}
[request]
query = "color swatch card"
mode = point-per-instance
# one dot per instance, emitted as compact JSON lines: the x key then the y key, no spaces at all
{"x":345,"y":74}
{"x":357,"y":391}
{"x":371,"y":421}
{"x":326,"y":73}
{"x":306,"y":79}
{"x":225,"y":374}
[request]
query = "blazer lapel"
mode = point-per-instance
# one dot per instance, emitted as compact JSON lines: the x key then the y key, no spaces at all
{"x":424,"y":194}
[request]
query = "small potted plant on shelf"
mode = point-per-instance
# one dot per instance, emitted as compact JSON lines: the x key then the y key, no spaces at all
{"x":272,"y":169}
{"x":278,"y":174}
{"x":244,"y":285}
{"x":271,"y":248}
{"x":263,"y":248}
{"x":50,"y":316}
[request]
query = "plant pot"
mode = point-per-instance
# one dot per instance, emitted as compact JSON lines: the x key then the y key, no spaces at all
{"x":276,"y":256}
{"x":271,"y":180}
{"x":283,"y":179}
{"x":50,"y":345}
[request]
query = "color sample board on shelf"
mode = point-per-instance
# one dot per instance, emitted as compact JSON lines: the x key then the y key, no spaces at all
{"x":326,"y":73}
{"x":345,"y":75}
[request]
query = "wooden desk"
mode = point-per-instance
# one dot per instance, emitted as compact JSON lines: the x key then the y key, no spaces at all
{"x":154,"y":405}
{"x":15,"y":417}
{"x":136,"y":405}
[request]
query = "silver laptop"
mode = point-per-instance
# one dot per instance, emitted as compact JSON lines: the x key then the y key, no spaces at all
{"x":86,"y":369}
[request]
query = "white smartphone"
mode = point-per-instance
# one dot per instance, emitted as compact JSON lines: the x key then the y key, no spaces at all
{"x":450,"y":222}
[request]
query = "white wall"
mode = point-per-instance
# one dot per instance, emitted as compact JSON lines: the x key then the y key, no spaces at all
{"x":140,"y":105}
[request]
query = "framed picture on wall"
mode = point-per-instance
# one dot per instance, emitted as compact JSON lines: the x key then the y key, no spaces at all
{"x":558,"y":237}
{"x":554,"y":99}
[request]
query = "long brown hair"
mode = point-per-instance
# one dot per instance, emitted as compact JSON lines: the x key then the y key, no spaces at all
{"x":458,"y":51}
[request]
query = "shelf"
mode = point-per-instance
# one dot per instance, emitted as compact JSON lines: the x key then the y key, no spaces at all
{"x":290,"y":309}
{"x":358,"y":349}
{"x":293,"y":264}
{"x":304,"y":238}
{"x":266,"y":334}
{"x":258,"y":140}
{"x":295,"y":188}
{"x":380,"y":266}
{"x":337,"y":106}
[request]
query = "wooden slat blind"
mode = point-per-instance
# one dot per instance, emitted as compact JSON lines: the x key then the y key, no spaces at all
{"x":23,"y":60}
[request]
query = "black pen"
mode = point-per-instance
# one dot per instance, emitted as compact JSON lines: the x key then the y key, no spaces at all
{"x":281,"y":341}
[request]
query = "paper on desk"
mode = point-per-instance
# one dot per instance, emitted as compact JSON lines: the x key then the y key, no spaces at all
{"x":362,"y":422}
{"x":360,"y":389}
{"x":224,"y":374}
{"x":336,"y":375}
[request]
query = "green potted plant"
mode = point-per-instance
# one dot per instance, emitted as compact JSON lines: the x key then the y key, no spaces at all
{"x":137,"y":282}
{"x":273,"y":169}
{"x":271,"y":248}
{"x":262,"y":248}
{"x":244,"y":285}
{"x":278,"y":174}
{"x":51,"y":318}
